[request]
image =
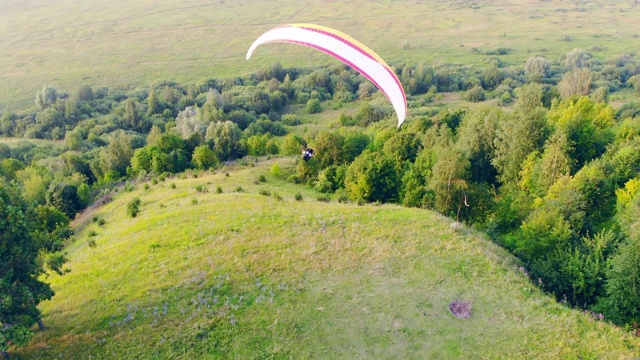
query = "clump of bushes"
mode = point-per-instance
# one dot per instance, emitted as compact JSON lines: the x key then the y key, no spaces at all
{"x":264,"y":192}
{"x":133,"y":207}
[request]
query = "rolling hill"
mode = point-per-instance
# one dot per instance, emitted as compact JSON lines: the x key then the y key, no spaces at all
{"x":223,"y":265}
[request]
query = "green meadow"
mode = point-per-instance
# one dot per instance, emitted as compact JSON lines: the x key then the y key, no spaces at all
{"x":232,"y":265}
{"x":129,"y":44}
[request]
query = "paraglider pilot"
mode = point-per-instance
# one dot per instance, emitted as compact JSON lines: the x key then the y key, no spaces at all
{"x":307,"y":153}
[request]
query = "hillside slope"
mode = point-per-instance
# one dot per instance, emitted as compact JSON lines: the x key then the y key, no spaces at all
{"x":243,"y":275}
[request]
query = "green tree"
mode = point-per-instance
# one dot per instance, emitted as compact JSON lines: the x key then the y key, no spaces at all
{"x":35,"y":182}
{"x":415,"y":182}
{"x":577,"y":58}
{"x":64,"y":197}
{"x":519,"y":134}
{"x":117,"y":155}
{"x":449,"y":181}
{"x":5,"y":151}
{"x":9,"y":167}
{"x":372,"y":177}
{"x":153,"y":104}
{"x":402,"y":148}
{"x":154,"y":135}
{"x":328,"y":147}
{"x":257,"y":145}
{"x":476,"y":135}
{"x":46,"y":97}
{"x":556,"y":160}
{"x":576,"y":82}
{"x":354,"y":144}
{"x":204,"y":158}
{"x":313,"y":106}
{"x":475,"y":94}
{"x":291,"y":145}
{"x":188,"y":123}
{"x":225,"y":137}
{"x":588,"y":127}
{"x":73,"y":140}
{"x":85,"y":93}
{"x":536,"y":68}
{"x":21,"y":289}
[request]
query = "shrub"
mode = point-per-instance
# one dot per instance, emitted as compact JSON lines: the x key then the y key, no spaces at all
{"x":324,"y":198}
{"x":146,"y":186}
{"x":219,"y":190}
{"x":313,"y":106}
{"x":133,"y":207}
{"x":262,"y":178}
{"x":290,"y":119}
{"x":201,"y":189}
{"x":239,"y":189}
{"x":92,"y":233}
{"x":264,"y":192}
{"x":173,"y":186}
{"x":277,"y":196}
{"x":92,"y":243}
{"x":475,"y":94}
{"x":194,"y":201}
{"x":298,"y":197}
{"x":101,"y":222}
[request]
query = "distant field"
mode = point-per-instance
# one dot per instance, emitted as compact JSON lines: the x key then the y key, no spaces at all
{"x":12,"y":142}
{"x":241,"y":275}
{"x":121,"y":43}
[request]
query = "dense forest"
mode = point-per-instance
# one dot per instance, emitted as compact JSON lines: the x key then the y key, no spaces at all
{"x":536,"y":156}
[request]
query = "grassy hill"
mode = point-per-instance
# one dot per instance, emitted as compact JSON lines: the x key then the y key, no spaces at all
{"x":127,"y":44}
{"x":238,"y":274}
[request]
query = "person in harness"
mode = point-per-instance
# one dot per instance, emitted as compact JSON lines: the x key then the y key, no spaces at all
{"x":307,"y":153}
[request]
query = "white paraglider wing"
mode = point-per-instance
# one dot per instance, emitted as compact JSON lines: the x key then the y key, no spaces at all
{"x":347,"y":50}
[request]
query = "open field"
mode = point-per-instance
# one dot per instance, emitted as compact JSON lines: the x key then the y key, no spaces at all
{"x":127,"y":44}
{"x":243,"y":275}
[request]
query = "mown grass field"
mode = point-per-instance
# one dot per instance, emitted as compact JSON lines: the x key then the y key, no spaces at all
{"x":244,"y":275}
{"x":134,"y":43}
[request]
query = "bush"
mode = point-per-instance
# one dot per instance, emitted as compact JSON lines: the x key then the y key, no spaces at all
{"x":239,"y":189}
{"x":290,"y":119}
{"x":277,"y":196}
{"x":298,"y":197}
{"x":262,"y":178}
{"x":219,"y":190}
{"x":173,"y":186}
{"x":133,"y":207}
{"x":201,"y":189}
{"x":475,"y":94}
{"x":264,"y":192}
{"x":324,"y":198}
{"x":313,"y":106}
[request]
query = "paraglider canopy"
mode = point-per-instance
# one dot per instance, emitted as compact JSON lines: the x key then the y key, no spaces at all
{"x":346,"y":49}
